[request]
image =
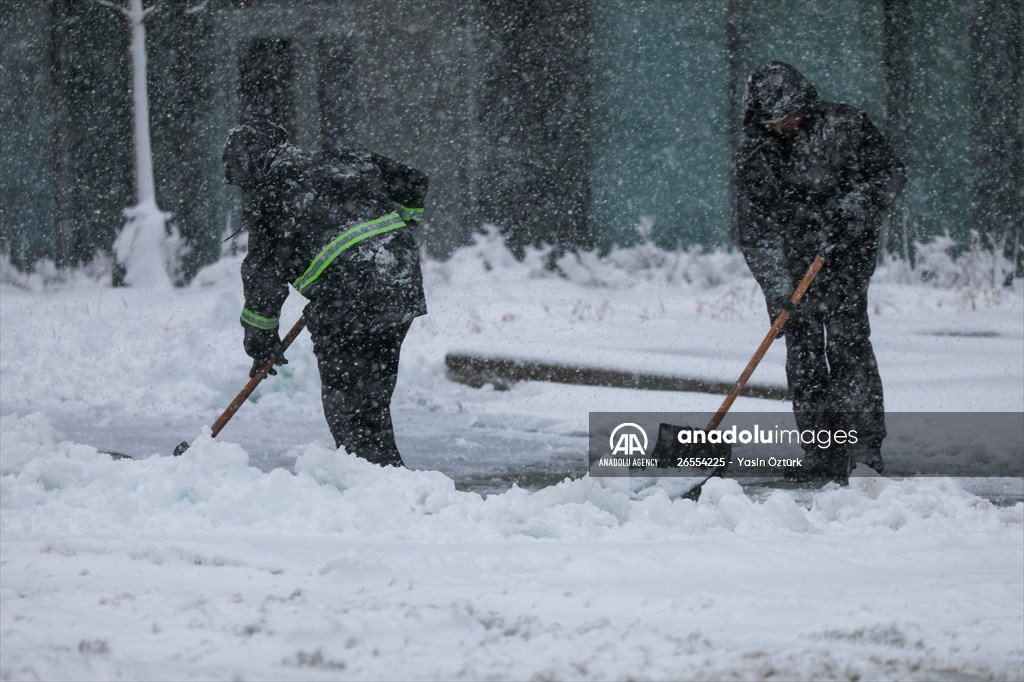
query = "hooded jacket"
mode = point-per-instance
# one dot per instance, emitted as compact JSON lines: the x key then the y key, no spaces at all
{"x":337,"y":227}
{"x":825,"y":188}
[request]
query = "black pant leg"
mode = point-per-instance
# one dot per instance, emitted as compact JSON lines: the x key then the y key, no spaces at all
{"x":358,"y":371}
{"x":808,"y":375}
{"x":807,"y":371}
{"x":386,"y":345}
{"x":855,"y":386}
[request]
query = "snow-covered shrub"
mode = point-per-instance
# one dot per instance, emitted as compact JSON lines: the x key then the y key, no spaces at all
{"x":647,"y":262}
{"x":621,"y":267}
{"x":44,"y":274}
{"x":978,"y":267}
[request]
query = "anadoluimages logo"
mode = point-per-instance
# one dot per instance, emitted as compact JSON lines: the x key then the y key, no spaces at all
{"x":628,"y":439}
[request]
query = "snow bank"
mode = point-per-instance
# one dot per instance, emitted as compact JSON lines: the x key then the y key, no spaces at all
{"x":51,"y":486}
{"x":204,"y":567}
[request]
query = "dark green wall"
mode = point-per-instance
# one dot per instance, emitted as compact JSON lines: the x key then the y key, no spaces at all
{"x":837,"y":44}
{"x":936,"y":136}
{"x":568,"y":122}
{"x":662,"y":115}
{"x":943,"y":78}
{"x":660,"y":140}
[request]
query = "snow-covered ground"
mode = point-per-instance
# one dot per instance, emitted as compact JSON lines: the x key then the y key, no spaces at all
{"x":265,"y":554}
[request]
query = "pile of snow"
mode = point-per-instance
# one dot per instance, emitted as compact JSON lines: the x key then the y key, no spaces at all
{"x":205,"y":567}
{"x":55,"y":486}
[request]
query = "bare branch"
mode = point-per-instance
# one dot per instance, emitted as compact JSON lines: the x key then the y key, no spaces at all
{"x":107,"y":3}
{"x":197,"y":8}
{"x":149,"y":10}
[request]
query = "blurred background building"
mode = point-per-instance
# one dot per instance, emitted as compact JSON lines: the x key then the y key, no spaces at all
{"x":561,"y":121}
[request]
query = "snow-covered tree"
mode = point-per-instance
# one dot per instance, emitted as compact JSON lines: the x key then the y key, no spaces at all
{"x":146,"y":246}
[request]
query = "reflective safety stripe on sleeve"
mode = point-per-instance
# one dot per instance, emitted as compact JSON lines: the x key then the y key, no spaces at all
{"x":350,"y":237}
{"x":409,"y":214}
{"x":253,"y":320}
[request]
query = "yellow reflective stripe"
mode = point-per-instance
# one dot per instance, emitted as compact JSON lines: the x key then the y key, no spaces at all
{"x":253,"y":320}
{"x":346,"y":239}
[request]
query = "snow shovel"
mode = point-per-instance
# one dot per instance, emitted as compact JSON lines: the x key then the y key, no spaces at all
{"x":668,"y":434}
{"x":247,"y":390}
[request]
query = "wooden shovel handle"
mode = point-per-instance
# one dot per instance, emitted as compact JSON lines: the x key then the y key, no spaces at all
{"x":246,"y":391}
{"x":772,"y":334}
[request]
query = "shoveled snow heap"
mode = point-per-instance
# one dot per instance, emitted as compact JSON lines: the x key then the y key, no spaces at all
{"x":204,"y":567}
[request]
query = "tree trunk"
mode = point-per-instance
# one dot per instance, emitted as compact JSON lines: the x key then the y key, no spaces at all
{"x":144,"y":247}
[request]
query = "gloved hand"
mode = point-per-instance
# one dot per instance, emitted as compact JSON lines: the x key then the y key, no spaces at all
{"x":262,"y":345}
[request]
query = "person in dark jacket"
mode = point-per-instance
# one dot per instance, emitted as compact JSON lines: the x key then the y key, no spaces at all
{"x":337,"y":227}
{"x":816,"y":177}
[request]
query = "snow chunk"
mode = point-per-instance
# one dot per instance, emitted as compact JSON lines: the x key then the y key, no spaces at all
{"x":34,"y":436}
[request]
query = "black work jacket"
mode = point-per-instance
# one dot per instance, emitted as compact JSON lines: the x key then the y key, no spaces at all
{"x":337,"y":226}
{"x":824,"y":189}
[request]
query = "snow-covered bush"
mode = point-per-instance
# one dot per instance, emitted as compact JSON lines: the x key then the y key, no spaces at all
{"x":937,"y":263}
{"x":941,"y":263}
{"x":45,"y":275}
{"x":621,"y":267}
{"x":978,"y":268}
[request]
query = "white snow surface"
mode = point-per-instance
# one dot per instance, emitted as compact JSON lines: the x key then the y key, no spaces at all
{"x":267,"y":554}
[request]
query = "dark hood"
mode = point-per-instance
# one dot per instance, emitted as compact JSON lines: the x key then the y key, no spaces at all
{"x":249,"y":150}
{"x":774,"y":90}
